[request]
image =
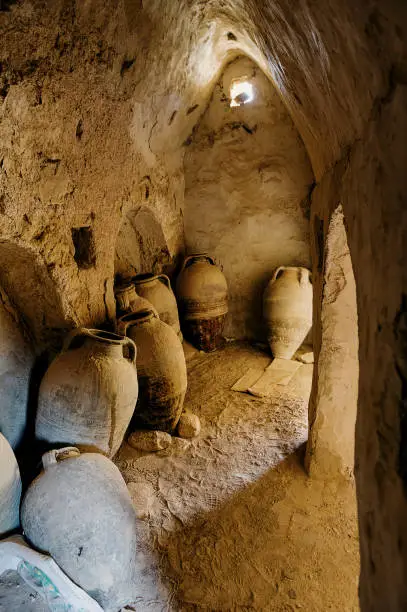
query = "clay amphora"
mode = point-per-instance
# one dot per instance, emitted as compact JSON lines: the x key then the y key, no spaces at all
{"x":10,"y":488}
{"x":202,"y":295}
{"x":88,"y":394}
{"x":80,"y":512}
{"x":287,"y":310}
{"x":157,"y":290}
{"x":161,"y":371}
{"x":128,"y":300}
{"x":16,"y":362}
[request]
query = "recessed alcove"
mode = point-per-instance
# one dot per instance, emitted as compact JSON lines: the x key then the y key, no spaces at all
{"x":247,"y":184}
{"x":141,"y":245}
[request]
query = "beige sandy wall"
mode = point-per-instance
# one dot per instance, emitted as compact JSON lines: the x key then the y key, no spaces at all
{"x":247,"y":180}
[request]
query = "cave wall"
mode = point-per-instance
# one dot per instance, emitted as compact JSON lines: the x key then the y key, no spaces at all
{"x":247,"y":181}
{"x":96,"y":96}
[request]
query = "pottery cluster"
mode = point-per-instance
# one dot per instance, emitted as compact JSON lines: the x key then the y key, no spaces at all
{"x":105,"y":384}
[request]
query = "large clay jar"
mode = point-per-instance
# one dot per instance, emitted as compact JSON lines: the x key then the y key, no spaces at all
{"x":16,"y":362}
{"x":161,"y":368}
{"x":88,"y":394}
{"x":10,"y":488}
{"x":80,"y":512}
{"x":287,"y":310}
{"x":202,"y":295}
{"x":157,"y":290}
{"x":128,"y":300}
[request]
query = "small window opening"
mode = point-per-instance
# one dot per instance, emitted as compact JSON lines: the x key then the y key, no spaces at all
{"x":241,"y":92}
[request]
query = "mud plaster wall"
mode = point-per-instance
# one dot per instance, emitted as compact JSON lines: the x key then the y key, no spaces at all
{"x":97,"y":97}
{"x":247,"y":180}
{"x":331,"y":442}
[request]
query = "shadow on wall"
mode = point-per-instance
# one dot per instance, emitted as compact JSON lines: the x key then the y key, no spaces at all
{"x":141,"y":245}
{"x":30,"y":288}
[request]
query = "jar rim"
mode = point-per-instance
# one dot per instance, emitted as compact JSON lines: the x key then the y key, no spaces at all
{"x":105,"y":336}
{"x":143,"y":277}
{"x":141,"y":316}
{"x":123,"y":287}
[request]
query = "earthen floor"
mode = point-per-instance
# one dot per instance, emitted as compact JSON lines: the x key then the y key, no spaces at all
{"x":229,"y":520}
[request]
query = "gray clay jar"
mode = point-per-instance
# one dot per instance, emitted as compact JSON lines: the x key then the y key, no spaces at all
{"x":88,"y":394}
{"x":80,"y":512}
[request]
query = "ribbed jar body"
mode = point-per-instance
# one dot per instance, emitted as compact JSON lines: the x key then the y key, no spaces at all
{"x":202,"y":296}
{"x":161,"y":368}
{"x":80,"y":512}
{"x":287,"y":310}
{"x":88,"y":394}
{"x":157,"y":290}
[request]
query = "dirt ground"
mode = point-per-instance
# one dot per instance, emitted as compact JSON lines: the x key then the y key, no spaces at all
{"x":230,"y":521}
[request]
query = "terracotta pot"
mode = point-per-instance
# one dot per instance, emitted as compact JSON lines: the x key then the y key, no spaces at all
{"x":161,"y":368}
{"x":16,"y":362}
{"x":10,"y":488}
{"x":88,"y":394}
{"x":80,"y":512}
{"x":287,"y":310}
{"x":202,"y":296}
{"x":128,"y":300}
{"x":157,"y":290}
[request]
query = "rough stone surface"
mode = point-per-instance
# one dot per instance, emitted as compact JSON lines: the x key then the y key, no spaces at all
{"x":331,"y":446}
{"x":189,"y":425}
{"x":247,"y":180}
{"x":150,"y":440}
{"x":103,"y":95}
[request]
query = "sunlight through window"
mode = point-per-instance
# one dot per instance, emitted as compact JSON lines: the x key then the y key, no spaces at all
{"x":241,"y":92}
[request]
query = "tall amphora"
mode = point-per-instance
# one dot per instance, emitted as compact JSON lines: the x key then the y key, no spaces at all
{"x":287,"y":310}
{"x":161,"y":370}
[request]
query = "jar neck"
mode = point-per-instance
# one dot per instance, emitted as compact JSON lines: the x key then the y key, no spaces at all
{"x":139,"y":319}
{"x":125,"y":296}
{"x":105,"y":344}
{"x":198,"y":258}
{"x":144,"y":279}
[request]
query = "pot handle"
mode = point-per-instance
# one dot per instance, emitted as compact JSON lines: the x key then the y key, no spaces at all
{"x":305,"y":277}
{"x":51,"y":457}
{"x":132,"y":354}
{"x":276,"y":273}
{"x":165,"y":279}
{"x":74,"y":333}
{"x":188,"y":257}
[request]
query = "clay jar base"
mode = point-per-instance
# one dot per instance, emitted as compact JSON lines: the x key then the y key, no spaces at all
{"x":205,"y":334}
{"x":162,"y":415}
